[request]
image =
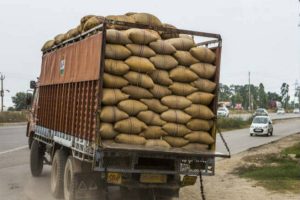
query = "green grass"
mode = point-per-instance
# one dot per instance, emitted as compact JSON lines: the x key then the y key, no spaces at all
{"x":10,"y":117}
{"x":293,"y":150}
{"x":226,"y":124}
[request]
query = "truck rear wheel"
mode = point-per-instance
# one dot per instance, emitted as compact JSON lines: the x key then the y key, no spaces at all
{"x":36,"y":158}
{"x":69,"y":180}
{"x":57,"y":173}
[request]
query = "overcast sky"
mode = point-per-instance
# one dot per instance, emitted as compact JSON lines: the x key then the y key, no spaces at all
{"x":260,"y":36}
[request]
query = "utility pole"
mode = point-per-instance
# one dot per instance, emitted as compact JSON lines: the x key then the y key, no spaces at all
{"x":2,"y":77}
{"x":249,"y":88}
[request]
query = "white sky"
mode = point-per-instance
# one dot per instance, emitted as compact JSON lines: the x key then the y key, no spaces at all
{"x":260,"y":36}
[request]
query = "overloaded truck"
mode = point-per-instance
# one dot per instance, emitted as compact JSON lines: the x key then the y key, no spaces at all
{"x":125,"y":101}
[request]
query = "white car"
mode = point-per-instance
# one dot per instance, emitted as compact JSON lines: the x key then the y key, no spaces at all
{"x":296,"y":111}
{"x":223,"y":112}
{"x":261,"y":125}
{"x":280,"y":111}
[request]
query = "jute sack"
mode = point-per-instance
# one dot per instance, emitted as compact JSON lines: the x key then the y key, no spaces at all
{"x":111,"y":114}
{"x":185,"y":58}
{"x":141,"y":36}
{"x":139,"y":79}
{"x":154,"y":105}
{"x":199,"y":111}
{"x":132,"y":107}
{"x":137,"y":92}
{"x":204,"y":70}
{"x":116,"y":67}
{"x":72,"y":33}
{"x":79,"y":28}
{"x":175,"y":141}
{"x":175,"y":116}
{"x":59,"y":38}
{"x":203,"y":98}
{"x":48,"y":45}
{"x":150,"y":118}
{"x":114,"y":36}
{"x":153,"y":132}
{"x":176,"y":102}
{"x":200,"y":136}
{"x":92,"y":22}
{"x":130,"y":139}
{"x":140,"y":50}
{"x":165,"y":62}
{"x":177,"y":130}
{"x":116,"y":51}
{"x":113,"y":96}
{"x":204,"y":85}
{"x":139,"y":64}
{"x":130,"y":13}
{"x":169,"y":34}
{"x":112,"y":81}
{"x":157,"y":143}
{"x":85,"y":18}
{"x":162,"y":47}
{"x":130,"y":126}
{"x":200,"y":124}
{"x":107,"y":131}
{"x":183,"y":74}
{"x":186,"y":36}
{"x":182,"y":89}
{"x":146,"y":19}
{"x":121,"y":18}
{"x":182,"y":44}
{"x":159,"y":91}
{"x":196,"y":147}
{"x":161,"y":77}
{"x":203,"y":54}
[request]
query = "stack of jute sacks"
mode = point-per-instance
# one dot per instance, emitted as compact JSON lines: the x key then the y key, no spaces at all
{"x":157,"y":87}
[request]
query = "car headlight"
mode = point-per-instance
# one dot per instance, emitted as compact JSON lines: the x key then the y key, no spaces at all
{"x":266,"y":126}
{"x":251,"y":126}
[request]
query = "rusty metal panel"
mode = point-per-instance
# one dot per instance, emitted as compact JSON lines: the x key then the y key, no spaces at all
{"x":76,"y":62}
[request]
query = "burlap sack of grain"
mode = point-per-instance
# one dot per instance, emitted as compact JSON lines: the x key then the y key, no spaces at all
{"x":111,"y":114}
{"x":140,"y":64}
{"x":186,"y":36}
{"x":175,"y":141}
{"x":203,"y":54}
{"x":116,"y":51}
{"x":169,"y":34}
{"x":183,"y":74}
{"x":140,"y":50}
{"x":121,"y":18}
{"x":137,"y":92}
{"x":113,"y":96}
{"x":84,"y":19}
{"x":132,"y":107}
{"x":59,"y":38}
{"x":141,"y":36}
{"x":112,"y":81}
{"x":155,"y":105}
{"x":200,"y":137}
{"x":153,"y":132}
{"x":139,"y":79}
{"x":130,"y":126}
{"x":116,"y":67}
{"x":199,"y":111}
{"x":200,"y":124}
{"x":130,"y":139}
{"x":107,"y":131}
{"x":146,"y":19}
{"x":72,"y":33}
{"x":181,"y":44}
{"x":157,"y":143}
{"x":151,"y":118}
{"x":176,"y":102}
{"x":203,"y":98}
{"x":175,"y":116}
{"x":48,"y":45}
{"x":159,"y":91}
{"x":204,"y":70}
{"x":161,"y":77}
{"x":92,"y":22}
{"x":130,"y":13}
{"x":162,"y":47}
{"x":79,"y":28}
{"x":182,"y":89}
{"x":195,"y":147}
{"x":185,"y":58}
{"x":114,"y":36}
{"x":177,"y":130}
{"x":165,"y":62}
{"x":204,"y":85}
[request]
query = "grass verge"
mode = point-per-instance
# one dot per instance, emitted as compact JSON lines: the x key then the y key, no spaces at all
{"x":226,"y":124}
{"x":12,"y":117}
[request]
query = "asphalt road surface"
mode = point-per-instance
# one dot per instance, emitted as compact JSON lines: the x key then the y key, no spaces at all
{"x":16,"y":182}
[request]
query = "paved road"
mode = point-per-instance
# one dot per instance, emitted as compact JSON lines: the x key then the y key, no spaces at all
{"x":273,"y":116}
{"x":16,"y":182}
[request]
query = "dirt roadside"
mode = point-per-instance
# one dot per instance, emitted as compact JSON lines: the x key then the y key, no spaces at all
{"x":226,"y":186}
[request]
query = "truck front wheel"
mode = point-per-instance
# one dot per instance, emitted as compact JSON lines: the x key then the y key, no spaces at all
{"x":36,"y":158}
{"x":69,"y":180}
{"x":57,"y":173}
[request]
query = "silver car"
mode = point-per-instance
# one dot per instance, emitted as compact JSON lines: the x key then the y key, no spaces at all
{"x":261,"y":125}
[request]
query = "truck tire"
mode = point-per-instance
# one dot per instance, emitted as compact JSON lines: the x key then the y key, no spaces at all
{"x":30,"y":140}
{"x":69,"y":180}
{"x":57,"y":173}
{"x":36,"y":158}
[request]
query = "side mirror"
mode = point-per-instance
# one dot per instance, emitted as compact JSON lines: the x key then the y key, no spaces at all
{"x":32,"y":84}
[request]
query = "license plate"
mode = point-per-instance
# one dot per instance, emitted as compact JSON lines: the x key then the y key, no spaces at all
{"x":258,"y":130}
{"x":188,"y":180}
{"x":153,"y":178}
{"x":114,"y":178}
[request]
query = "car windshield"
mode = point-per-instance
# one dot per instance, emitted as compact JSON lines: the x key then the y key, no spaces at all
{"x":260,"y":120}
{"x":260,"y":110}
{"x":221,"y":109}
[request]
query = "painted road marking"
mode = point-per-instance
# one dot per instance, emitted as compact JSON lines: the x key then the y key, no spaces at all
{"x":14,"y":149}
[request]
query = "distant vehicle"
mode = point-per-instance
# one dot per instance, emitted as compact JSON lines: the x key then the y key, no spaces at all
{"x":223,"y":112}
{"x":280,"y":111}
{"x":261,"y":125}
{"x":296,"y":110}
{"x":260,"y":112}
